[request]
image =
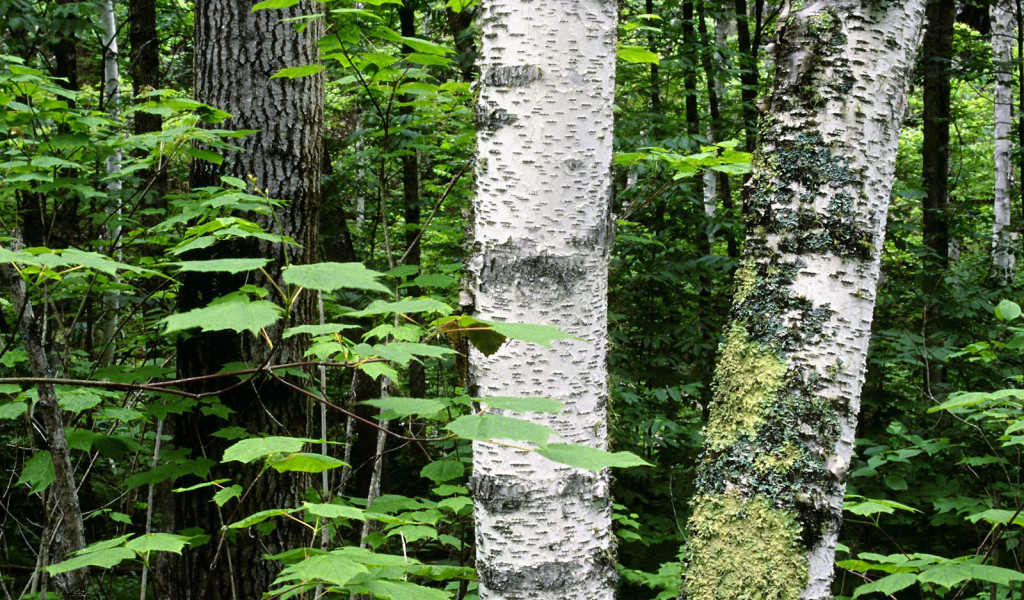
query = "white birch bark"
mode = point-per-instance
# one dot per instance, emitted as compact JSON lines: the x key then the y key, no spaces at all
{"x":779,"y":440}
{"x":1003,"y":36}
{"x":107,"y":328}
{"x":542,"y":227}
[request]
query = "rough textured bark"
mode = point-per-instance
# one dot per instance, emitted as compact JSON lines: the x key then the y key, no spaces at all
{"x":542,"y":234}
{"x":236,"y":53}
{"x":411,"y":200}
{"x":1003,"y":36}
{"x":780,"y":436}
{"x":145,"y":58}
{"x":937,"y":55}
{"x":748,"y":75}
{"x":691,"y":54}
{"x":64,"y":517}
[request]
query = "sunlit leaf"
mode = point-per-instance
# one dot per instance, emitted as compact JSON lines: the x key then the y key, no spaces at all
{"x":589,"y":458}
{"x":443,"y":470}
{"x":296,"y":72}
{"x":499,"y":427}
{"x":546,"y":405}
{"x":398,"y":408}
{"x":887,"y":585}
{"x":236,"y":313}
{"x":247,"y":451}
{"x":328,"y":277}
{"x":636,"y":54}
{"x":221,"y":265}
{"x":305,"y":462}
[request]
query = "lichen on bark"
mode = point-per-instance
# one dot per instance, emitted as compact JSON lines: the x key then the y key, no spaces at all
{"x":746,"y":546}
{"x":780,"y":436}
{"x":747,"y":380}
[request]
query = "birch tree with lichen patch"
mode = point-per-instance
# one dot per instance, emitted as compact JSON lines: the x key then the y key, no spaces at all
{"x":542,"y":234}
{"x":779,"y":440}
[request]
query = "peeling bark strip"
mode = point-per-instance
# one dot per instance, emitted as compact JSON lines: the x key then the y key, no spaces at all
{"x":541,"y":222}
{"x":787,"y":387}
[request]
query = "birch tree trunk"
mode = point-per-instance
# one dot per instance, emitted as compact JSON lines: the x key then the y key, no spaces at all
{"x":780,"y":435}
{"x":542,"y":236}
{"x":1003,"y":36}
{"x":236,"y":52}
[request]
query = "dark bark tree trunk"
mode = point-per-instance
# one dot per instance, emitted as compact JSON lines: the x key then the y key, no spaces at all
{"x":145,"y":58}
{"x":459,"y":24}
{"x":937,"y":55}
{"x":657,"y":117}
{"x":748,"y":75}
{"x":236,"y":53}
{"x":411,"y":198}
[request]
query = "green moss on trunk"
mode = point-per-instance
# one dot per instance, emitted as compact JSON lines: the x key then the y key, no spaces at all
{"x":748,"y":377}
{"x":744,"y":549}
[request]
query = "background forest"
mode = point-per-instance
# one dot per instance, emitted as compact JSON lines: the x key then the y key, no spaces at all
{"x":104,"y":225}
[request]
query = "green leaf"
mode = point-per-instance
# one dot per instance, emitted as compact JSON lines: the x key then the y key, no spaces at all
{"x":199,"y":486}
{"x":404,"y":306}
{"x":970,"y":399}
{"x":499,"y":427}
{"x":400,"y":590}
{"x":203,"y":154}
{"x":458,"y":6}
{"x":105,"y":559}
{"x":12,"y":410}
{"x":329,"y":276}
{"x":443,"y":470}
{"x":78,"y":399}
{"x":997,"y":516}
{"x":273,"y":4}
{"x":591,"y":459}
{"x":252,"y":449}
{"x":871,"y":506}
{"x":38,"y":472}
{"x":732,"y":168}
{"x":887,"y":585}
{"x":427,"y":59}
{"x":636,"y":54}
{"x":235,"y":312}
{"x":545,"y":405}
{"x":334,"y":511}
{"x":328,"y":568}
{"x":222,"y":496}
{"x":261,"y":516}
{"x":455,"y":503}
{"x":221,"y":265}
{"x":376,"y":369}
{"x":945,"y":575}
{"x":533,"y":334}
{"x":426,"y":47}
{"x":1007,"y":311}
{"x":993,"y":574}
{"x":433,"y":280}
{"x":316,"y":330}
{"x":159,"y":542}
{"x":296,"y":72}
{"x":398,"y":408}
{"x":306,"y":462}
